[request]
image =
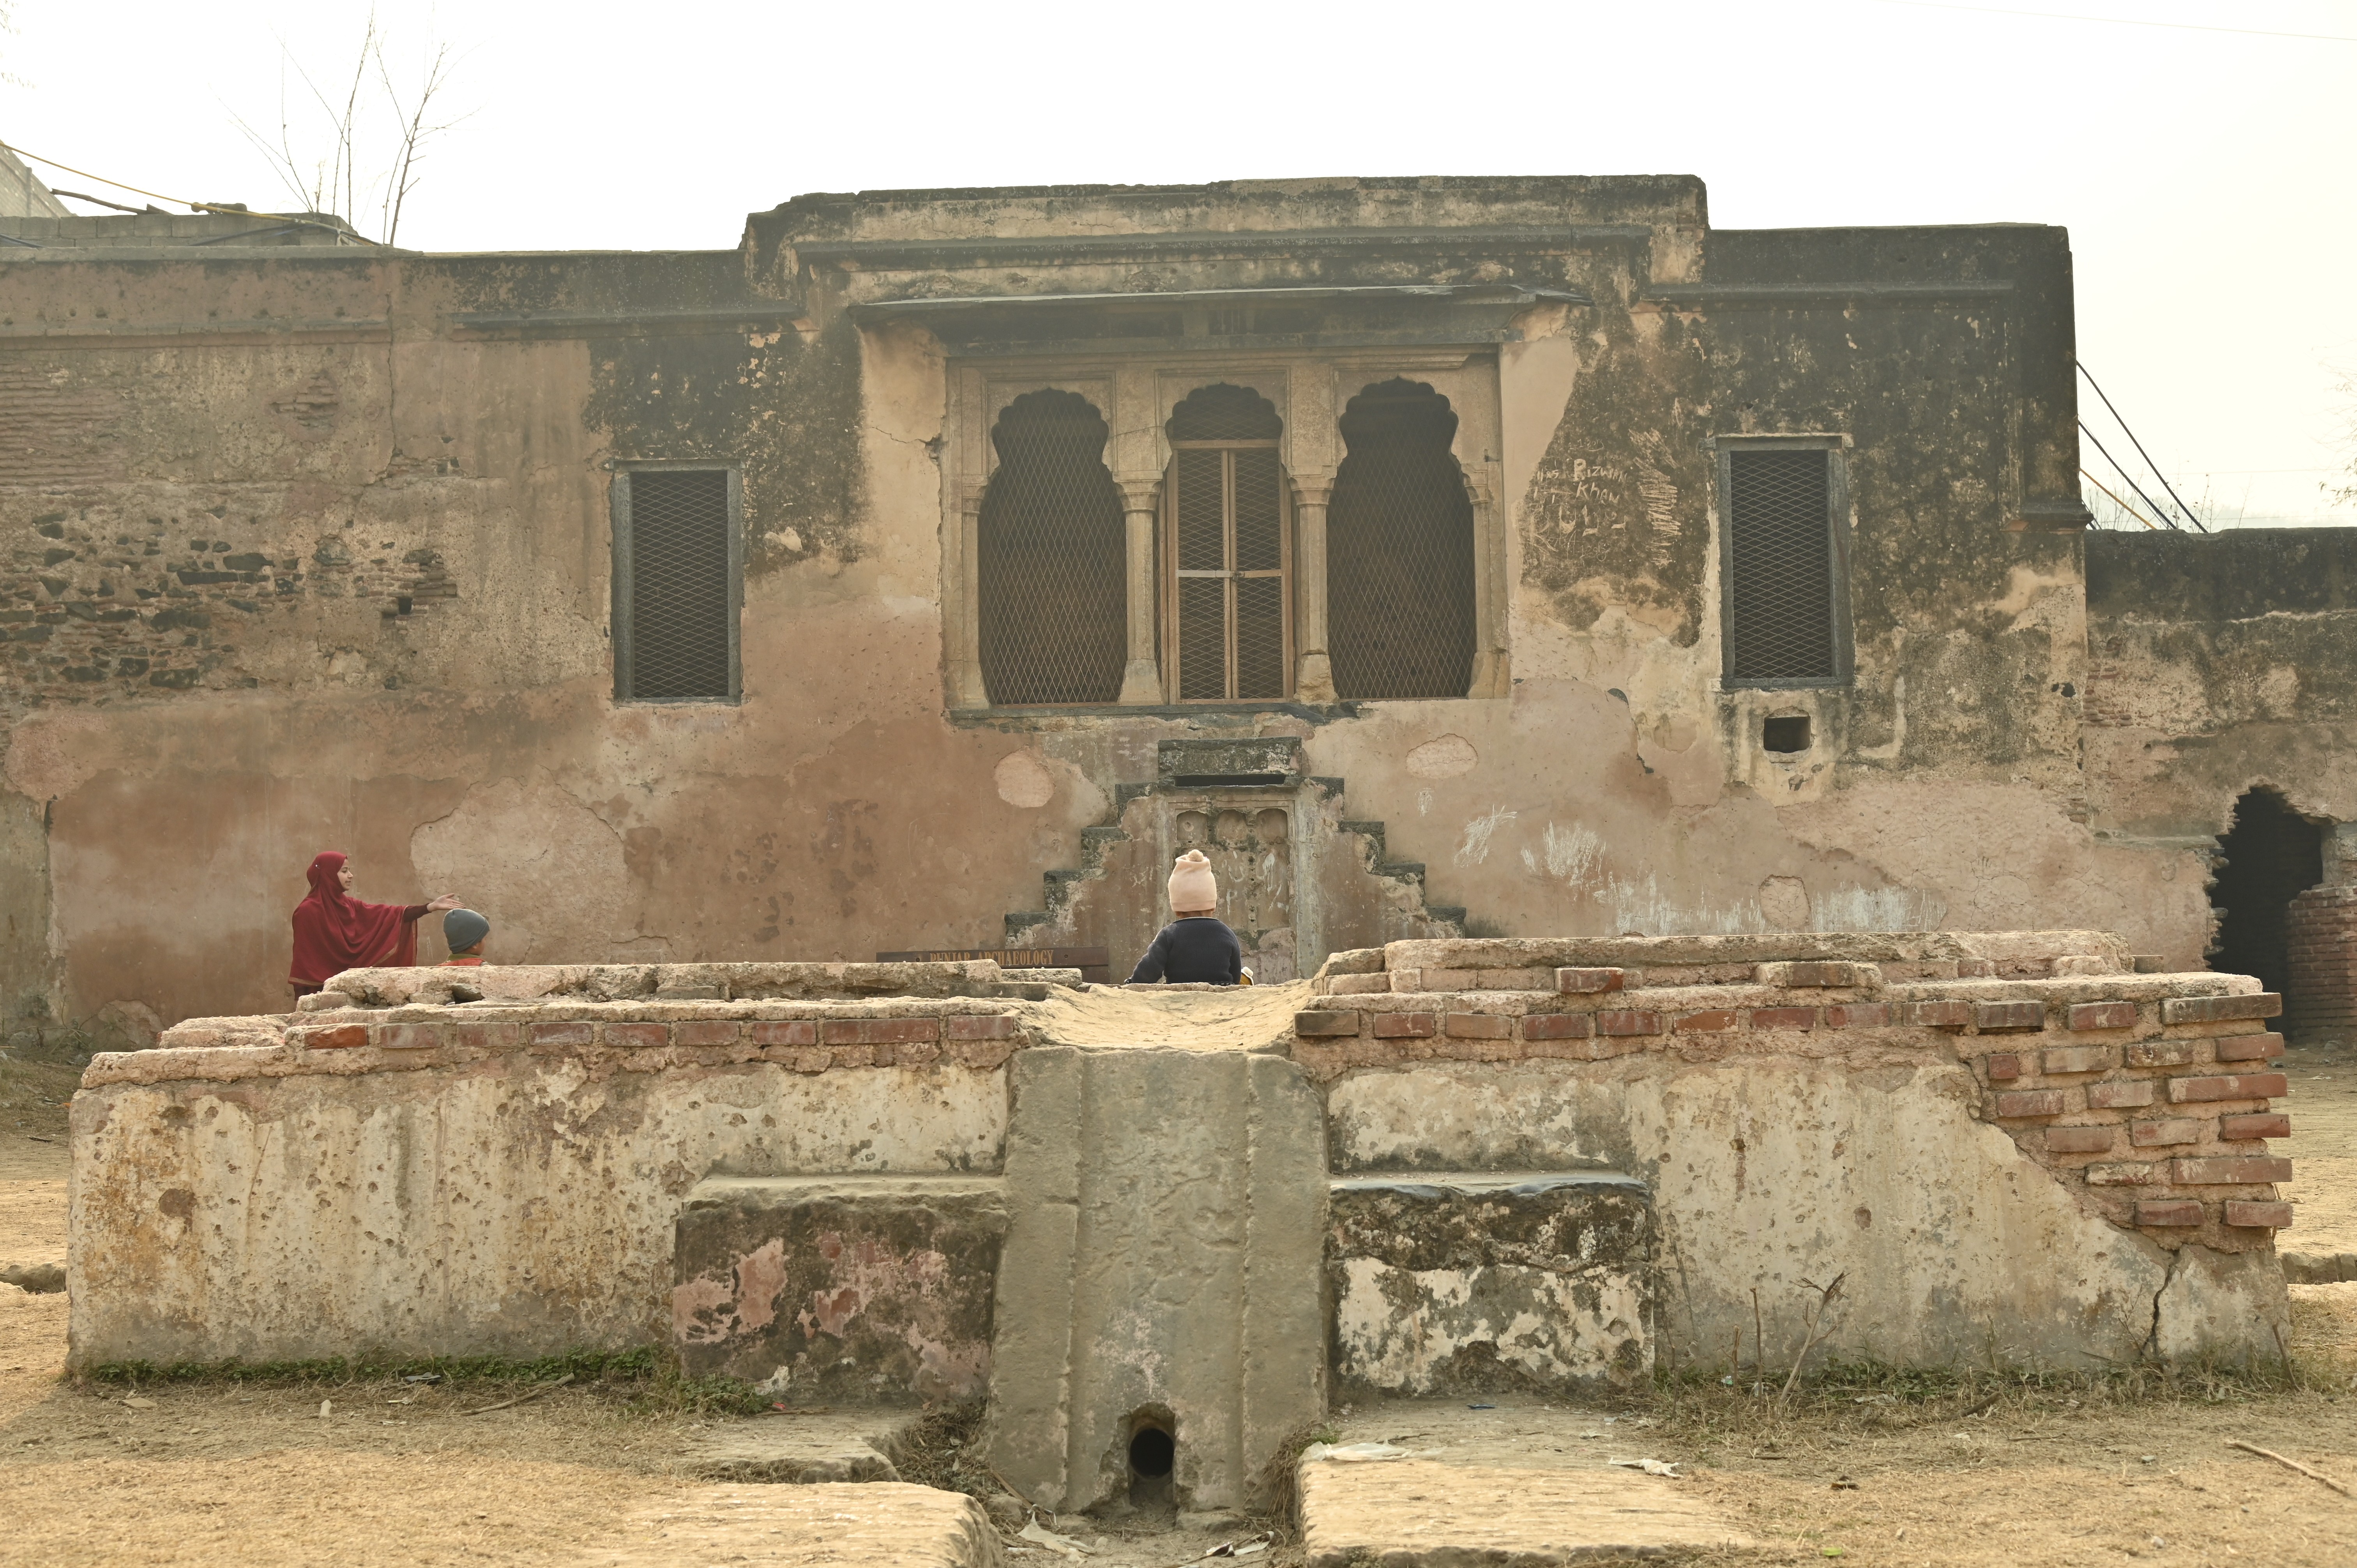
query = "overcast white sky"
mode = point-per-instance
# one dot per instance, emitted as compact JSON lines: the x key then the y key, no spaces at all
{"x":2205,"y":175}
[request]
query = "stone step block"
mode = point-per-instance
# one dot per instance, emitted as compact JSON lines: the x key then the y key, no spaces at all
{"x":888,"y":1524}
{"x":799,"y":1448}
{"x":1480,"y":1280}
{"x":1519,"y":1484}
{"x":840,"y":1289}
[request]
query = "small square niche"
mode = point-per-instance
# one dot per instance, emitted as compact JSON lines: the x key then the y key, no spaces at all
{"x":1787,"y":734}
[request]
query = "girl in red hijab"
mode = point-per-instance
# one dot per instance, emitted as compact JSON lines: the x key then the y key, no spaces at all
{"x":334,"y":932}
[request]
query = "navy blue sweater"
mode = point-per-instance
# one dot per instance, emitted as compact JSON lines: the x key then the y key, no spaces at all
{"x":1198,"y":948}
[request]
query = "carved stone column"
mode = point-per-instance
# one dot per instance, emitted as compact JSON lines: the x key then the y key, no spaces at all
{"x":1492,"y":670}
{"x":1141,"y":677}
{"x":963,"y":623}
{"x":1313,"y":671}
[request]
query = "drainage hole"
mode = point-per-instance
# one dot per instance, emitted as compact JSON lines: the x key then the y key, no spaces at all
{"x":1151,"y":1452}
{"x":1785,"y":735}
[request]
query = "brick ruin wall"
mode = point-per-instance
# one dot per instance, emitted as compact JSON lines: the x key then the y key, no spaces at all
{"x":2148,"y":1096}
{"x":528,"y":1137}
{"x":2321,"y":931}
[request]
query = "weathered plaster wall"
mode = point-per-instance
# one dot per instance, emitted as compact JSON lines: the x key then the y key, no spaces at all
{"x":521,"y":1202}
{"x":2016,"y":1150}
{"x":224,"y":477}
{"x":209,"y":677}
{"x":2217,"y":664}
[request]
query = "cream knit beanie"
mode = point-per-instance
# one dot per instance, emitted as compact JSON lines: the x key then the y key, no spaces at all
{"x":1194,"y":889}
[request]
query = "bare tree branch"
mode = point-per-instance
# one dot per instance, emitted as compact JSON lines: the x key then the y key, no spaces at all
{"x":414,"y":132}
{"x":339,"y":183}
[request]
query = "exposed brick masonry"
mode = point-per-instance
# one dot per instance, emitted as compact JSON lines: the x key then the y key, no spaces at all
{"x":2322,"y":936}
{"x":2153,"y":1099}
{"x":101,"y":600}
{"x":610,"y":1037}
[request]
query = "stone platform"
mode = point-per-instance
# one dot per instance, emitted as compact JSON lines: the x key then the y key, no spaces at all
{"x":1188,"y":1218}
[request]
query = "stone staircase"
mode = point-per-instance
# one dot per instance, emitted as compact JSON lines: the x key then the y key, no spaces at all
{"x":1326,"y":885}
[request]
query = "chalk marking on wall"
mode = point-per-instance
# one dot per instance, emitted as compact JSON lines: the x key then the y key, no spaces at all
{"x":1474,"y":847}
{"x":1639,"y":907}
{"x":1572,"y":853}
{"x":1877,"y":909}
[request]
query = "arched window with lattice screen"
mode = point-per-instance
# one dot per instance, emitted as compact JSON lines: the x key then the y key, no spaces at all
{"x":1051,"y":557}
{"x":1227,"y":551}
{"x":1399,"y":550}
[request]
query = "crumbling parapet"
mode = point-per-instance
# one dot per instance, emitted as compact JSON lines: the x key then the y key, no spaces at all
{"x":1851,"y":1074}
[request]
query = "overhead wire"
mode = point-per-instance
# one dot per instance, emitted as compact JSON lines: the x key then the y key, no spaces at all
{"x":2191,"y":515}
{"x":2116,"y":499}
{"x":2128,"y":477}
{"x":301,"y":219}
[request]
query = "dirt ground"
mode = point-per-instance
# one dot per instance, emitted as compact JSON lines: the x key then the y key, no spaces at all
{"x":394,"y":1473}
{"x":2323,"y":1149}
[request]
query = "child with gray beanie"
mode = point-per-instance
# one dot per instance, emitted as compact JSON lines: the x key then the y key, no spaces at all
{"x":464,"y":931}
{"x":1196,"y":946}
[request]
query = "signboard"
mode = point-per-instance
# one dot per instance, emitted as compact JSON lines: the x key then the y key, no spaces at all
{"x":1094,"y":963}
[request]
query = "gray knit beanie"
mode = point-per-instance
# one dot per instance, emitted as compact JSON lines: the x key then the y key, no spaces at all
{"x":462,"y":928}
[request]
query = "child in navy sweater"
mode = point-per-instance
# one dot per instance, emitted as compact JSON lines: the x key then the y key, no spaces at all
{"x":1198,"y":945}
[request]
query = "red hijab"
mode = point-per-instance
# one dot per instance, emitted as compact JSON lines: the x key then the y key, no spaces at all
{"x":334,"y":932}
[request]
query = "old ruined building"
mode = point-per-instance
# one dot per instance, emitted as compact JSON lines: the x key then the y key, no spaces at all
{"x":1651,"y":686}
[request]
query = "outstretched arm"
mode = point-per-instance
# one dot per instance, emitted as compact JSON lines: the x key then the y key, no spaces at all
{"x":1150,"y":968}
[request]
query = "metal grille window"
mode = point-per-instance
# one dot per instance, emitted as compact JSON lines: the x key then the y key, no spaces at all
{"x":675,"y":584}
{"x":1399,"y":550}
{"x":1051,"y":557}
{"x":1781,"y":573}
{"x":1227,"y":552}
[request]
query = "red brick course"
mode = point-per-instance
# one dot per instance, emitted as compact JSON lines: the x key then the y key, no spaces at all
{"x":2160,"y":1053}
{"x":2220,"y":1009}
{"x":1405,"y":1026}
{"x":2103,"y":1015}
{"x":2258,"y":1216}
{"x":2173,"y":1212}
{"x":879,"y":1031}
{"x":1990,"y":1016}
{"x":1783,"y":1018}
{"x":2263,"y":1124}
{"x":1628,"y":1021}
{"x":2231,"y":1170}
{"x":2079,"y":1058}
{"x":2241,"y":1086}
{"x":1480,"y":1026}
{"x":1559,"y":1027}
{"x":2248,"y":1047}
{"x":2162,"y":1134}
{"x":1587,"y":982}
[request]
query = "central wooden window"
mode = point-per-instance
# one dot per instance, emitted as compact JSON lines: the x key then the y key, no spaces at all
{"x":1227,"y":552}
